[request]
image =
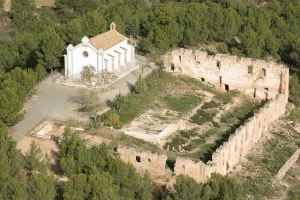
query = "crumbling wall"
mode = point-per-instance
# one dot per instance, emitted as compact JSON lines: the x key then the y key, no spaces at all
{"x":143,"y":161}
{"x":258,"y":78}
{"x":288,"y":164}
{"x":227,"y":156}
{"x":198,"y":170}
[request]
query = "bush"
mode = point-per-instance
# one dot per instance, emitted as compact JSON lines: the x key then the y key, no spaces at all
{"x":294,"y":89}
{"x":202,"y":116}
{"x":140,"y":86}
{"x":211,"y":104}
{"x":112,"y":119}
{"x":222,"y":48}
{"x":118,"y":102}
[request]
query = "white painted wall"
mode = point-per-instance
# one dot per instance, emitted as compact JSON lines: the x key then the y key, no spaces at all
{"x":75,"y":61}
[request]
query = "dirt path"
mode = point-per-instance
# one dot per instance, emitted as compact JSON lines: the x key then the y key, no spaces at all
{"x":53,"y":101}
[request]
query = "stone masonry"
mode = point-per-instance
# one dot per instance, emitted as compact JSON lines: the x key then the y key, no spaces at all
{"x":257,"y":78}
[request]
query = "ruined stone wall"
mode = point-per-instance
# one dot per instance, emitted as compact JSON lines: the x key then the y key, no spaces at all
{"x":198,"y":170}
{"x":288,"y":164}
{"x":258,"y":78}
{"x":224,"y":159}
{"x":245,"y":137}
{"x":265,"y":80}
{"x":227,"y":156}
{"x":143,"y":161}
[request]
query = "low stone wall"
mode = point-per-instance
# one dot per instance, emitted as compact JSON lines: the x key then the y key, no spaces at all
{"x":156,"y":138}
{"x":143,"y":161}
{"x":288,"y":164}
{"x":42,"y":129}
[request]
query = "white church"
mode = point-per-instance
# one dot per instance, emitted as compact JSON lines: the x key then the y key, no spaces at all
{"x":109,"y":52}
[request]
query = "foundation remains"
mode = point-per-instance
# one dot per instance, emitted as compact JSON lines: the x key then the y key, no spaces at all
{"x":257,"y":78}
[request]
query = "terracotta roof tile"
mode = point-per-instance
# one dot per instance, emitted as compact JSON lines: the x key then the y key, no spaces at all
{"x":107,"y":40}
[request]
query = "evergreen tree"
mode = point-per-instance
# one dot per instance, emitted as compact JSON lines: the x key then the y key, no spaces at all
{"x":50,"y":50}
{"x":22,"y":13}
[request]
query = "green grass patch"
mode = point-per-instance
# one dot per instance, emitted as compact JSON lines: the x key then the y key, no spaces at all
{"x":182,"y":104}
{"x":164,"y":90}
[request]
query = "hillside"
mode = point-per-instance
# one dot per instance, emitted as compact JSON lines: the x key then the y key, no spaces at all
{"x":39,"y":4}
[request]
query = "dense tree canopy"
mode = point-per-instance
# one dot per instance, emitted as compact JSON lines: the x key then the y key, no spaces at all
{"x":38,"y":43}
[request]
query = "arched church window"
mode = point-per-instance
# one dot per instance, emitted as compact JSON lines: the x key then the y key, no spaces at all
{"x":85,"y":54}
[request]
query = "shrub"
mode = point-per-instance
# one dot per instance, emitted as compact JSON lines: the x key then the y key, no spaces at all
{"x":222,"y":48}
{"x":112,"y":119}
{"x":211,"y":104}
{"x":202,"y":116}
{"x":118,"y":102}
{"x":140,"y":86}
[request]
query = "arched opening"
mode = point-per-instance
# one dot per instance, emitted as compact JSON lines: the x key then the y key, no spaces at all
{"x":202,"y":79}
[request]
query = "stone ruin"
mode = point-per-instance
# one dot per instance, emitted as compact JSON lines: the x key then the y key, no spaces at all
{"x":257,"y":78}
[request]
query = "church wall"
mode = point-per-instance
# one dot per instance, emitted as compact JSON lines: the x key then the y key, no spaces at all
{"x":80,"y":61}
{"x":112,"y":52}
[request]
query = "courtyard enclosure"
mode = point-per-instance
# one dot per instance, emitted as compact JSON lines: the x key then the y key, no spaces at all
{"x":256,"y":78}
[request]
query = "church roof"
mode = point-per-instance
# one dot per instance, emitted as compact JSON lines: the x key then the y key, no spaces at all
{"x":108,"y":39}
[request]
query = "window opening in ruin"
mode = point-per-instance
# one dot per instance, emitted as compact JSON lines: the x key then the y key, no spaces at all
{"x":138,"y":159}
{"x":263,"y":72}
{"x":172,"y":67}
{"x":219,"y":64}
{"x":179,"y":58}
{"x":226,"y":87}
{"x":202,"y":79}
{"x":250,"y":69}
{"x":170,"y":164}
{"x":267,"y":93}
{"x":254,"y":94}
{"x":227,"y":166}
{"x":220,"y":81}
{"x":149,"y":160}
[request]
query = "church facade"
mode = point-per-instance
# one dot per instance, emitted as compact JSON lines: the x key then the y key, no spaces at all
{"x":108,"y":52}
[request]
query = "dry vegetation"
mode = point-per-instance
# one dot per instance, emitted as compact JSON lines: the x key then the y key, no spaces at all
{"x":257,"y":173}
